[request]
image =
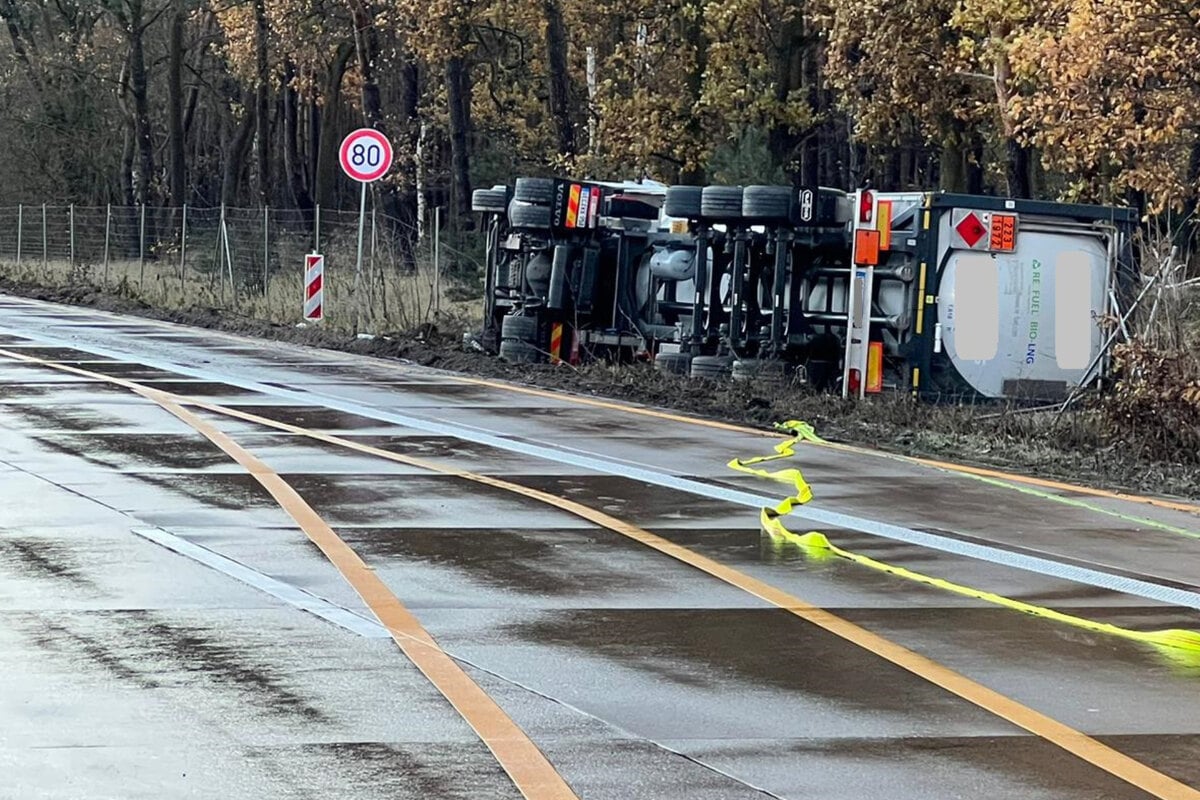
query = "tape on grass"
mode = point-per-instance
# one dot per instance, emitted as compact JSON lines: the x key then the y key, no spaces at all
{"x":1178,"y":644}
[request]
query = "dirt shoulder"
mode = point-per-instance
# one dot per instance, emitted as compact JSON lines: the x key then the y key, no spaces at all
{"x":1080,"y":446}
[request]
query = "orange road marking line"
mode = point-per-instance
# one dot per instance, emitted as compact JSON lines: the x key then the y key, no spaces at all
{"x":1069,"y":739}
{"x":525,"y":764}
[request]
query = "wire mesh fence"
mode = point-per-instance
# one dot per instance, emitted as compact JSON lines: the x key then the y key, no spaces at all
{"x":248,"y":261}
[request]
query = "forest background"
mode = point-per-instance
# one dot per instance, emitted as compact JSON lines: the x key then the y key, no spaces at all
{"x":243,"y":102}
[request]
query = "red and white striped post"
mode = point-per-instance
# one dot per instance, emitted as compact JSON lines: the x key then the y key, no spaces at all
{"x":314,"y":287}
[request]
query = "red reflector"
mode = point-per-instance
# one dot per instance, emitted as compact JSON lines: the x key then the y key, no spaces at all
{"x":855,"y":382}
{"x":866,"y":205}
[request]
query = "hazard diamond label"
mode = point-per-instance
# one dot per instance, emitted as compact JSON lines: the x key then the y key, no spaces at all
{"x":970,"y":229}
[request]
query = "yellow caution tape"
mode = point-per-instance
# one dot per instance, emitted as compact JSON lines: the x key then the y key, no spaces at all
{"x":800,"y":432}
{"x":1178,"y":644}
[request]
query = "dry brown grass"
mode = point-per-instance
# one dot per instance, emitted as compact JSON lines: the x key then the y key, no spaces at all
{"x":387,"y":300}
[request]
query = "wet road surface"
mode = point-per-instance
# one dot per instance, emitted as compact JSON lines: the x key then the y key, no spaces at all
{"x":133,"y":669}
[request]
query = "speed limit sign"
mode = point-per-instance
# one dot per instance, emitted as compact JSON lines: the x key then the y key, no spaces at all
{"x":366,"y":155}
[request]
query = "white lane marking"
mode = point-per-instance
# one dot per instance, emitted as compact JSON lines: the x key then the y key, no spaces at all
{"x":288,"y":593}
{"x":812,"y":512}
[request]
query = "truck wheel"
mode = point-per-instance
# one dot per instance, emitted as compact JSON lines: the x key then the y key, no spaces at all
{"x":767,"y":203}
{"x":538,"y":191}
{"x":721,"y":202}
{"x":774,"y":373}
{"x":515,"y":352}
{"x":491,"y":201}
{"x":713,"y":367}
{"x":527,"y":215}
{"x":673,"y":363}
{"x":520,"y":329}
{"x":683,"y":201}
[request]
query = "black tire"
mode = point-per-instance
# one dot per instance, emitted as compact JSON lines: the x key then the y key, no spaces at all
{"x":519,"y":329}
{"x":538,"y":191}
{"x":490,"y":201}
{"x":713,"y":367}
{"x":673,"y":363}
{"x":765,"y":371}
{"x":767,"y":203}
{"x":721,"y":202}
{"x":683,"y":201}
{"x":526,"y":215}
{"x":515,"y":352}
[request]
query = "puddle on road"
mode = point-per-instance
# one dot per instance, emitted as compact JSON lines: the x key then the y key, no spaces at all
{"x":429,"y":446}
{"x":727,"y":649}
{"x":315,"y":417}
{"x":639,"y":503}
{"x":129,"y":451}
{"x":461,"y":770}
{"x":149,"y":652}
{"x":544,"y":562}
{"x":41,"y":557}
{"x":66,"y":355}
{"x":70,"y":418}
{"x":188,"y":388}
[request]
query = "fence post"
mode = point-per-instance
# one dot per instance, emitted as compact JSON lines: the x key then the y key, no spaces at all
{"x":183,"y":252}
{"x":266,"y":247}
{"x":437,"y":260}
{"x":142,"y":249}
{"x":72,"y":213}
{"x":20,"y":227}
{"x":221,"y":251}
{"x":45,"y":249}
{"x":382,"y":281}
{"x":107,"y":233}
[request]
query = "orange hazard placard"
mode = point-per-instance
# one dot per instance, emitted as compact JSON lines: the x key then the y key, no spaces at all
{"x":866,"y":247}
{"x":1004,"y":233}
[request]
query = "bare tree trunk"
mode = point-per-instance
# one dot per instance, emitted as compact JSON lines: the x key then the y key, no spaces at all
{"x":810,"y":79}
{"x":235,"y":158}
{"x":694,"y":31}
{"x":327,"y":141}
{"x":128,"y":149}
{"x":366,"y":45}
{"x":559,"y":77}
{"x":1016,"y":161}
{"x":262,"y":116}
{"x":458,"y":98}
{"x":293,"y":164}
{"x":139,"y":88}
{"x":175,"y":124}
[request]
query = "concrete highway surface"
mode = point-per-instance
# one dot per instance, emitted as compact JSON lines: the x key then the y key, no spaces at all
{"x":241,"y":569}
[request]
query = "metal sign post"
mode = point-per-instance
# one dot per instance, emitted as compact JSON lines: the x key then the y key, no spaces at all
{"x":365,"y":156}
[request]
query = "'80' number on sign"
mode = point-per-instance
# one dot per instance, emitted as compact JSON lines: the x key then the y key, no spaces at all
{"x":369,"y":155}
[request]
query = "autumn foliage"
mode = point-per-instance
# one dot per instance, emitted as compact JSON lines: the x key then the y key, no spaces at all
{"x":200,"y":102}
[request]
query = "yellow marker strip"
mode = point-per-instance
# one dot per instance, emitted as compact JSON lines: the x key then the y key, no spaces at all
{"x":921,"y":299}
{"x":1073,"y":741}
{"x":817,"y":544}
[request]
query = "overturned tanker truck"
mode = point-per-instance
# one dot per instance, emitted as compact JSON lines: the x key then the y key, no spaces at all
{"x":940,"y":295}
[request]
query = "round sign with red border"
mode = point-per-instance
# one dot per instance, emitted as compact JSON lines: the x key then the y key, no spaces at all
{"x":366,"y":155}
